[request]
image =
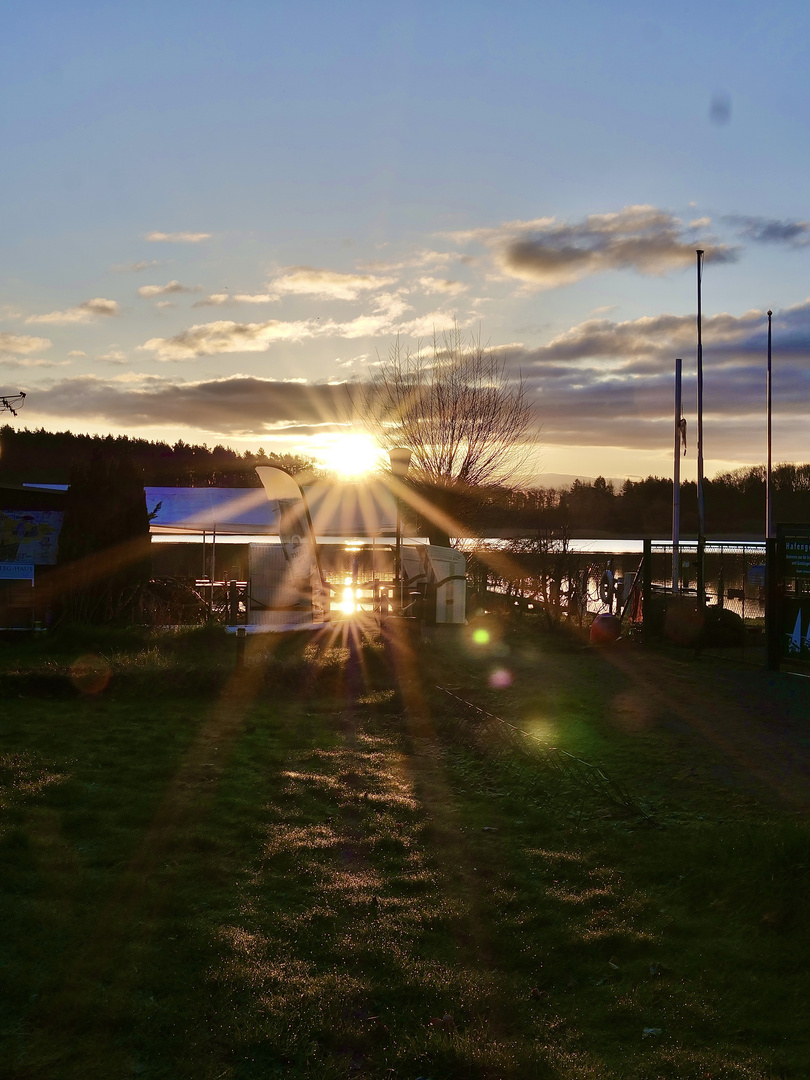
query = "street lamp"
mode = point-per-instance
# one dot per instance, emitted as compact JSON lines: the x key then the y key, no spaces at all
{"x":400,"y":457}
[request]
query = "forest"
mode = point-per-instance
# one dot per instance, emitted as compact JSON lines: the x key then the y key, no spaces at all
{"x":46,"y":457}
{"x":735,"y":501}
{"x":735,"y":505}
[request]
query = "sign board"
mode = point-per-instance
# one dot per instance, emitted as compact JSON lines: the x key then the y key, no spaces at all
{"x":796,"y":556}
{"x":794,"y":590}
{"x":756,"y":575}
{"x":17,"y":572}
{"x":29,"y":536}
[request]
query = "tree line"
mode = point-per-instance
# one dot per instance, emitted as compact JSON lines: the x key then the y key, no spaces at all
{"x":51,"y":456}
{"x":735,"y":501}
{"x":735,"y":504}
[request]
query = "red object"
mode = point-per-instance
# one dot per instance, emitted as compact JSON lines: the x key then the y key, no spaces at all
{"x":683,"y":622}
{"x":605,"y":629}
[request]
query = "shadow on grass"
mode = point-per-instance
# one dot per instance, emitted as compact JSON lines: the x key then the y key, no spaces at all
{"x":297,"y":879}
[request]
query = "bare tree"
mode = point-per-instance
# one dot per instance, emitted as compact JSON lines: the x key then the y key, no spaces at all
{"x":466,"y":420}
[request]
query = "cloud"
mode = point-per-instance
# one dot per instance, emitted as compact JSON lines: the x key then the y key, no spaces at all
{"x":442,"y":285}
{"x":548,"y":253}
{"x":234,"y":299}
{"x":353,"y":362}
{"x":601,"y":383}
{"x":31,"y":362}
{"x":82,"y":313}
{"x":130,"y":268}
{"x":178,"y":237}
{"x":76,"y":353}
{"x":238,"y":405}
{"x":649,"y":337}
{"x":165,"y":290}
{"x":308,"y":281}
{"x":761,"y":230}
{"x":113,"y":356}
{"x":22,"y":344}
{"x":421,"y":259}
{"x":225,"y":336}
{"x":100,"y":306}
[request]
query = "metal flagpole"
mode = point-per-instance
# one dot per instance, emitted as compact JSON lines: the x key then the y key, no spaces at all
{"x":676,"y":484}
{"x":768,"y":492}
{"x":773,"y":613}
{"x":701,"y":540}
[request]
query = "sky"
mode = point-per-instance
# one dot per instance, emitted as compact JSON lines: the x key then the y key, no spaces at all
{"x":214,"y":216}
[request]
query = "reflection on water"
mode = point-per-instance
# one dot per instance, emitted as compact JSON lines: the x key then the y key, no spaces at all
{"x":575,"y":578}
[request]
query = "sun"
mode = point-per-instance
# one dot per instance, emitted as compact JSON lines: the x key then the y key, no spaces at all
{"x":352,"y":454}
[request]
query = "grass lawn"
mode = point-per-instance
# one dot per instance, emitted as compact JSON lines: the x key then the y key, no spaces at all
{"x":323,"y":866}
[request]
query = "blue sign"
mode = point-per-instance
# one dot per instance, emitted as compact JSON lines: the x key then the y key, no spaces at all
{"x":17,"y":571}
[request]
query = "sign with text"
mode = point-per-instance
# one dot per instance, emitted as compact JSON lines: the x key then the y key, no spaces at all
{"x":794,"y":590}
{"x":17,"y":572}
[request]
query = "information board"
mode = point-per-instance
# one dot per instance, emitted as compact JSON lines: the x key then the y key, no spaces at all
{"x":30,"y":536}
{"x":794,"y":591}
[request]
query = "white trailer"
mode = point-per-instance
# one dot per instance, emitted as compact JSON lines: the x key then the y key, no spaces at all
{"x":438,"y":574}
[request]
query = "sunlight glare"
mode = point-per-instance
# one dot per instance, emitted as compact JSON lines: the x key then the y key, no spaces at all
{"x":348,"y":606}
{"x":352,"y":454}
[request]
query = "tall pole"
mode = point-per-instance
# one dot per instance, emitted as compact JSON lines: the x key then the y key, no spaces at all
{"x":701,"y":544}
{"x":400,"y":457}
{"x":773,"y":613}
{"x":398,"y":556}
{"x":676,"y":484}
{"x":768,"y":492}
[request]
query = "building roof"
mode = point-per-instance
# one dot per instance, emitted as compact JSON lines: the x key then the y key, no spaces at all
{"x":228,"y":510}
{"x":366,"y":509}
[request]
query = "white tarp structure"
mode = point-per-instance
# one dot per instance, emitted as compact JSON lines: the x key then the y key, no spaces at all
{"x":229,"y":511}
{"x":360,"y":510}
{"x":285,"y":579}
{"x":279,"y":525}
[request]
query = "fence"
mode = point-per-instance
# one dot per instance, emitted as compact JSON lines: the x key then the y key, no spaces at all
{"x":734,"y":576}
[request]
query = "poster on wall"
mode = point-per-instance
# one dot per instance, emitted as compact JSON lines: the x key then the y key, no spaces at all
{"x":30,"y":536}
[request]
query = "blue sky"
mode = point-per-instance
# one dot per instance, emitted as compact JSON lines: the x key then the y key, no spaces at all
{"x":211,"y":212}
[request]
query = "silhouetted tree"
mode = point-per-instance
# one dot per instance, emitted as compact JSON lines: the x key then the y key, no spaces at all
{"x":467,"y":421}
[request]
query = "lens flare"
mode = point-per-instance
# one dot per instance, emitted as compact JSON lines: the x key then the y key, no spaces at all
{"x":90,"y":674}
{"x":500,"y":678}
{"x":481,"y":636}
